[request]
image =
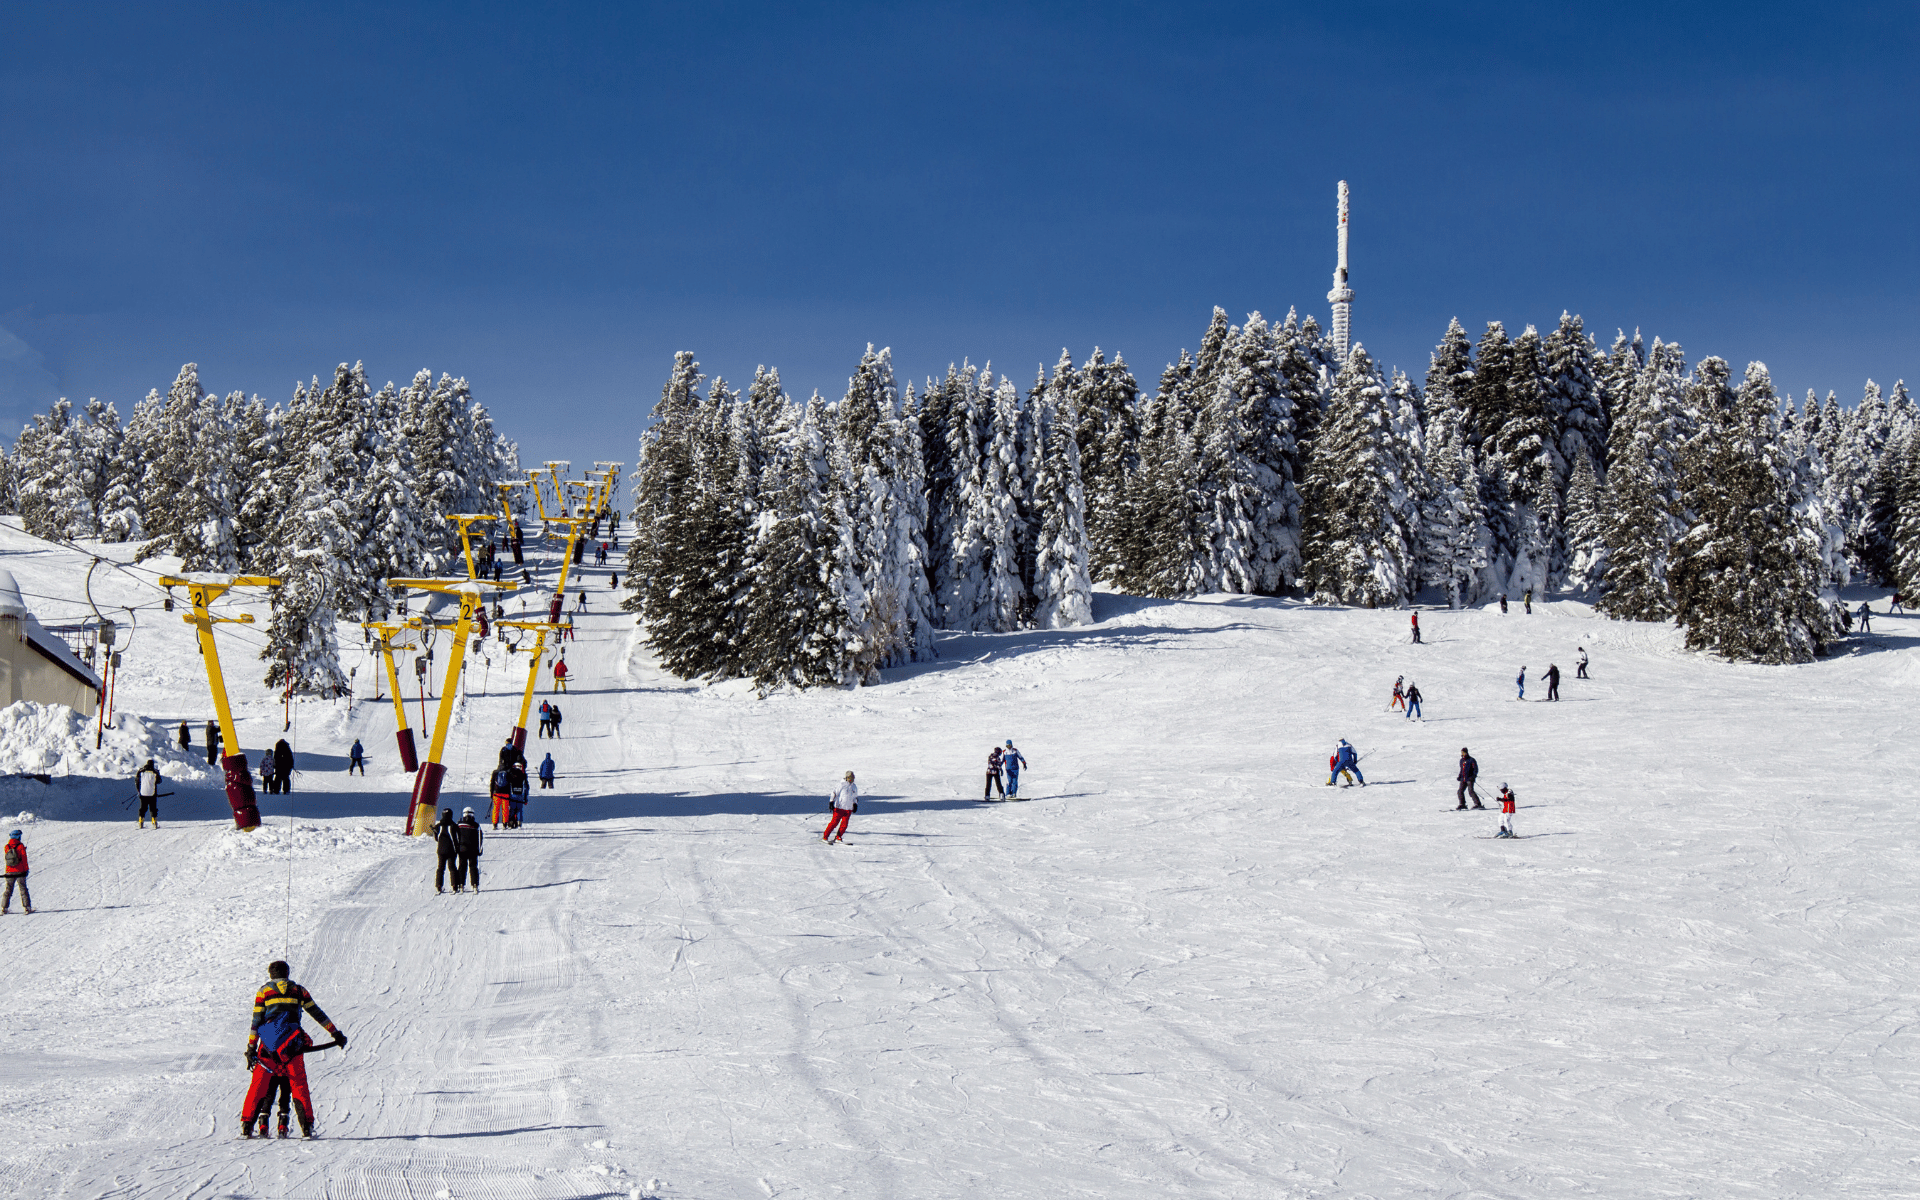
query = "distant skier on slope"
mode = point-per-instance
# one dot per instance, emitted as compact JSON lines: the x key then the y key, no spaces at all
{"x":1526,"y":602}
{"x":843,"y":801}
{"x":1015,"y":762}
{"x":497,"y":791}
{"x":1469,"y":771}
{"x":1580,"y":664}
{"x":516,"y":796}
{"x":511,"y":754}
{"x":448,"y":852}
{"x":1413,"y":701}
{"x":1416,"y":629}
{"x":994,"y":760}
{"x":186,"y":737}
{"x":17,"y":868}
{"x":283,"y":764}
{"x":1344,"y":759}
{"x":1399,"y":693}
{"x":357,"y":759}
{"x":547,"y":770}
{"x":146,"y":783}
{"x":560,"y":676}
{"x":277,"y":1047}
{"x":469,"y":843}
{"x":1866,"y":617}
{"x":1553,"y":681}
{"x":1522,"y":682}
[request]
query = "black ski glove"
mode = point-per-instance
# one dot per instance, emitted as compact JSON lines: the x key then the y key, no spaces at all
{"x":341,"y":1038}
{"x":253,"y":1058}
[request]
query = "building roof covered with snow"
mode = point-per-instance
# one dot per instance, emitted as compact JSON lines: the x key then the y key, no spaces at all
{"x":34,"y":664}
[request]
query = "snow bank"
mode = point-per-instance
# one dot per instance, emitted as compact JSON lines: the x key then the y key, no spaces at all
{"x":52,"y":739}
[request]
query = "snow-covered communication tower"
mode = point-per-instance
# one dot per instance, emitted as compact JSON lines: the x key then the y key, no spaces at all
{"x":1341,"y":297}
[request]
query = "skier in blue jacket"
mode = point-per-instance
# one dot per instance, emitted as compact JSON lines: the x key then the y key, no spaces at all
{"x":1344,"y":759}
{"x":1012,"y":760}
{"x":1522,"y":681}
{"x":546,"y":771}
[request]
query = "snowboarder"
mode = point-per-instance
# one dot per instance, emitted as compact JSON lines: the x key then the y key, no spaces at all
{"x":1506,"y":812}
{"x":448,"y":851}
{"x":994,"y":760}
{"x":16,"y":866}
{"x":277,"y":1047}
{"x":356,"y":757}
{"x":1344,"y":759}
{"x":469,"y":843}
{"x":1399,"y":693}
{"x":843,"y":801}
{"x":1503,"y":604}
{"x":553,"y":716}
{"x":560,"y":676}
{"x":547,"y":772}
{"x":1580,"y":664}
{"x":283,"y":764}
{"x":1866,"y":618}
{"x":1522,"y":682}
{"x":1526,"y":602}
{"x":146,"y":782}
{"x":186,"y":737}
{"x":1469,"y":771}
{"x":1553,"y":681}
{"x":1014,"y":762}
{"x":1416,"y":629}
{"x":1413,"y":701}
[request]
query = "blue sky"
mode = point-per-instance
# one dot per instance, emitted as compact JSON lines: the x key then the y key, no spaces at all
{"x":552,"y":199}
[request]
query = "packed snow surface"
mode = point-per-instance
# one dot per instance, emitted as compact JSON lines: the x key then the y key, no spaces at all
{"x":1181,"y":965}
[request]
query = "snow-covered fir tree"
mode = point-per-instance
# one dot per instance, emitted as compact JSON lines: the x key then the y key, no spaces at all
{"x":1363,"y":483}
{"x":1644,"y":515}
{"x":1745,"y":581}
{"x":1062,"y":584}
{"x":1455,"y":543}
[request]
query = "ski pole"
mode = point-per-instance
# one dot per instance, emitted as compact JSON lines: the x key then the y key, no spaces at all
{"x":128,"y":803}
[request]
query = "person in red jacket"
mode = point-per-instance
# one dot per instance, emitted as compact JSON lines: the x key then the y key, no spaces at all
{"x":560,"y":676}
{"x":16,"y":859}
{"x":275,"y":1051}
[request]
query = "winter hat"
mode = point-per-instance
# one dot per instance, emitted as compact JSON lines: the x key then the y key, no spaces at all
{"x":1009,"y":741}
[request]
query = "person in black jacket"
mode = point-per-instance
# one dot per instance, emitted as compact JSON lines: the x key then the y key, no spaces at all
{"x":213,"y":743}
{"x":1469,"y":771}
{"x":283,"y":765}
{"x":468,"y":840}
{"x":443,"y":844}
{"x":1553,"y":681}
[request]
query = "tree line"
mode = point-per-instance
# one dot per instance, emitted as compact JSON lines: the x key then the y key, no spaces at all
{"x":816,"y":542}
{"x":334,"y":492}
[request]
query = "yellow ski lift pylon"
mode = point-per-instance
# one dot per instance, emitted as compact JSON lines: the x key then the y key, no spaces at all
{"x":203,"y":588}
{"x":386,"y":632}
{"x":426,"y":783}
{"x":466,"y":521}
{"x":541,"y":629}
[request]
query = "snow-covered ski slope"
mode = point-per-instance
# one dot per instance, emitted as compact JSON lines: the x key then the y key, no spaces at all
{"x":1183,"y":966}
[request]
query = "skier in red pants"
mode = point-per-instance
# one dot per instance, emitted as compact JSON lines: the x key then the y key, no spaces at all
{"x":843,"y":801}
{"x":275,"y":1049}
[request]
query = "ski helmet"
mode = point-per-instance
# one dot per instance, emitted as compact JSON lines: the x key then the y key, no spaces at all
{"x":466,"y":812}
{"x":15,"y":835}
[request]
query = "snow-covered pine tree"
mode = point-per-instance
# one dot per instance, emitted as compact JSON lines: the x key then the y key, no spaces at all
{"x":1161,"y":518}
{"x":1745,"y":582}
{"x":40,"y":455}
{"x":1455,"y":545}
{"x":1004,"y":597}
{"x":1523,"y":446}
{"x":302,"y":654}
{"x":1250,"y":465}
{"x":1451,"y":384}
{"x":1906,"y":529}
{"x":694,"y":622}
{"x":1063,"y":588}
{"x":889,"y":545}
{"x":1618,"y":375}
{"x":1574,"y":402}
{"x":960,"y":560}
{"x":1361,"y":522}
{"x":797,"y":629}
{"x":1585,"y":514}
{"x":1106,"y":401}
{"x":1305,"y":377}
{"x":660,"y":480}
{"x":1643,"y":520}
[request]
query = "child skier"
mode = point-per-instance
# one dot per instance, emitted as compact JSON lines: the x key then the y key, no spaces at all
{"x":1506,"y":812}
{"x":843,"y":801}
{"x":16,"y":861}
{"x":994,"y":760}
{"x":1014,"y":761}
{"x":1345,"y":760}
{"x":1399,"y":695}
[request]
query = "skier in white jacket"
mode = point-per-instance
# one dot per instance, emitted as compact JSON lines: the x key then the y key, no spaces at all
{"x":844,"y":801}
